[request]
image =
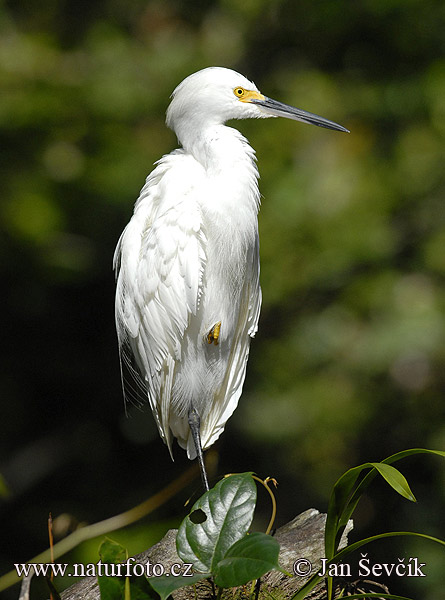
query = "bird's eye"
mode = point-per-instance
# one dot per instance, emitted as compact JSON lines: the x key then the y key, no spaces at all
{"x":239,"y":92}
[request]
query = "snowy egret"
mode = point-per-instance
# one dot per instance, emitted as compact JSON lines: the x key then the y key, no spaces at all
{"x":188,"y":295}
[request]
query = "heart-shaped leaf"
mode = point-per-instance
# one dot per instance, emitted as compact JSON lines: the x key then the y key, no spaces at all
{"x":247,"y":559}
{"x":229,"y":509}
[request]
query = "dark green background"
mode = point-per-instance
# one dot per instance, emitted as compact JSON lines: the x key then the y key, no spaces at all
{"x":348,"y":363}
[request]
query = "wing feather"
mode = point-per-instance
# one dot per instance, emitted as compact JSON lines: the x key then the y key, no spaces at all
{"x":227,"y":399}
{"x":159,"y":262}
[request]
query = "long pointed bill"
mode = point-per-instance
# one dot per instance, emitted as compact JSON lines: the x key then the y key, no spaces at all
{"x":278,"y":109}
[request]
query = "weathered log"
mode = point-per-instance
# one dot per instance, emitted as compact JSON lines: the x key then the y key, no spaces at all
{"x":301,"y":538}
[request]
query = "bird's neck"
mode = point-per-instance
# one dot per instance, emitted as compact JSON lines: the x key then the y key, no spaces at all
{"x":217,"y":147}
{"x":224,"y":152}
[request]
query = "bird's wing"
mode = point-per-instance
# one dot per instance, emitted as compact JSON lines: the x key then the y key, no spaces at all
{"x":227,"y":399}
{"x":160,"y":261}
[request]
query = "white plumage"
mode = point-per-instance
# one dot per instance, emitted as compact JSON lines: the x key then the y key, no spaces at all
{"x":188,"y":295}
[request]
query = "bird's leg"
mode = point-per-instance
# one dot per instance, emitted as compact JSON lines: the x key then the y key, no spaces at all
{"x":194,"y":424}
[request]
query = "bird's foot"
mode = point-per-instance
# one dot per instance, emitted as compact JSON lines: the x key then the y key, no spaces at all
{"x":213,"y":335}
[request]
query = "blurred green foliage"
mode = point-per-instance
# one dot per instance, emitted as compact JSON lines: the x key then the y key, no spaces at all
{"x":348,"y":364}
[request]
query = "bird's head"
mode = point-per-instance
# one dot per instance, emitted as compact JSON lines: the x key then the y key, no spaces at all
{"x":214,"y":95}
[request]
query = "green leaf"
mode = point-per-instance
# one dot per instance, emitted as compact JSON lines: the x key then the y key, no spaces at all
{"x":344,"y":497}
{"x":315,"y":579}
{"x":380,"y":536}
{"x":165,"y":585}
{"x":111,"y":588}
{"x":123,"y":588}
{"x":229,"y":509}
{"x":338,"y":502}
{"x":366,"y":481}
{"x":249,"y":558}
{"x":140,"y":588}
{"x":112,"y":552}
{"x":395,"y":479}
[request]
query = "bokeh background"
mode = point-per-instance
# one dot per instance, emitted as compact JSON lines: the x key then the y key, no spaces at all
{"x":348,"y":365}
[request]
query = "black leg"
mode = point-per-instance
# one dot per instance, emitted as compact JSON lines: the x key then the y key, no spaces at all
{"x":194,"y":423}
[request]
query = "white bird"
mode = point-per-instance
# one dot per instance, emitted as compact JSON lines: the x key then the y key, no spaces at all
{"x":188,"y":294}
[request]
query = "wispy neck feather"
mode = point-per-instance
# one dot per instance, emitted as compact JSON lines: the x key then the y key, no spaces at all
{"x":219,"y":148}
{"x":226,"y":154}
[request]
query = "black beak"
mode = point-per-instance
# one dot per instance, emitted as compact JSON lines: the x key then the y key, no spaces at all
{"x":279,"y":109}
